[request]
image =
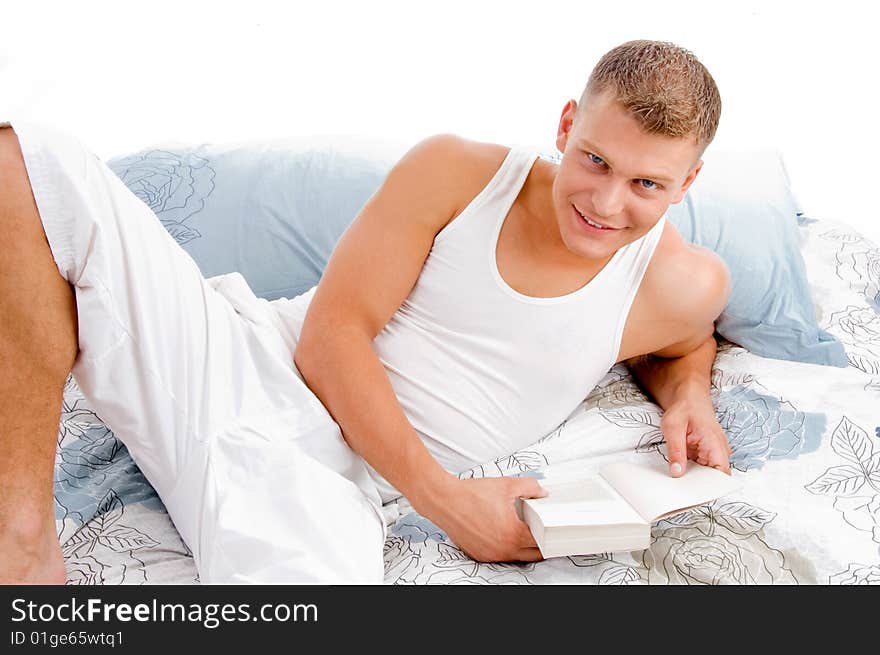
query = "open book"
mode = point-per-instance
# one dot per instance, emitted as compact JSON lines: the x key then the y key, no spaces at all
{"x":613,"y":511}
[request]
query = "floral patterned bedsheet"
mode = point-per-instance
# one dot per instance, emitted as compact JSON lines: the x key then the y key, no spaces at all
{"x":805,"y":440}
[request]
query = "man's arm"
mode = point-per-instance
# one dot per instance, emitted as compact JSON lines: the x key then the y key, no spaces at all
{"x":678,"y":377}
{"x":370,"y":273}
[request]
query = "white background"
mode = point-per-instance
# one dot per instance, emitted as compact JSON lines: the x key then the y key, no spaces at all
{"x":123,"y":75}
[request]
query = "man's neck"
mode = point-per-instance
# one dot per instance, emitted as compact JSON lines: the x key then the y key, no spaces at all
{"x":540,"y":226}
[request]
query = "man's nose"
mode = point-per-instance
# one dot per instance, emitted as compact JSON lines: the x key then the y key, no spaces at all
{"x":608,"y":199}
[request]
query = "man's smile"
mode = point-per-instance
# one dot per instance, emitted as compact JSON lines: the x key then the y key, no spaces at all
{"x":595,"y":225}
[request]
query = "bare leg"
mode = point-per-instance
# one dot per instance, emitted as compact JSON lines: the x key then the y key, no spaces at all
{"x":38,"y":346}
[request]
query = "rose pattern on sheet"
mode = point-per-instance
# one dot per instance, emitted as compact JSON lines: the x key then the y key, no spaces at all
{"x":857,"y":262}
{"x":718,"y":543}
{"x":175,"y":185}
{"x":760,"y":427}
{"x":114,"y":529}
{"x":858,"y":328}
{"x":857,"y":574}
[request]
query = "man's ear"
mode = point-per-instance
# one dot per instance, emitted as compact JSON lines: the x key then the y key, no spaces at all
{"x":569,"y":112}
{"x":688,"y":181}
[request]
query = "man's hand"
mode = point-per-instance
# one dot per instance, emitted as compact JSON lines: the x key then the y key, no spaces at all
{"x":479,"y":516}
{"x":680,"y":385}
{"x":692,"y":432}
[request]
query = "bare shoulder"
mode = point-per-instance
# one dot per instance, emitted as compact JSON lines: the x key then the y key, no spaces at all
{"x":686,"y":280}
{"x":457,"y":170}
{"x":378,"y":259}
{"x":683,"y":292}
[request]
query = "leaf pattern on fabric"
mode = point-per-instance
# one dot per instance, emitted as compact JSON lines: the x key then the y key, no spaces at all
{"x":450,"y":556}
{"x":631,"y":419}
{"x":553,"y":435}
{"x":650,"y":441}
{"x":855,"y":485}
{"x":526,"y":460}
{"x":515,"y":464}
{"x":105,"y":530}
{"x":86,"y":551}
{"x":590,"y":560}
{"x":620,"y":575}
{"x":181,"y":233}
{"x":851,"y":442}
{"x":742,"y":519}
{"x":843,"y":480}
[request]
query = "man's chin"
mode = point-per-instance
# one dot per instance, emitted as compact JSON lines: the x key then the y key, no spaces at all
{"x":591,"y":250}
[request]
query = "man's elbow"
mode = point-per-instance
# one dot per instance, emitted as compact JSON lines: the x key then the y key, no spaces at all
{"x":325,"y":348}
{"x":302,"y":358}
{"x":311,"y":349}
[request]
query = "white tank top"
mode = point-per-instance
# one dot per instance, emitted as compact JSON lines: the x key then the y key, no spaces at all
{"x":480,"y":369}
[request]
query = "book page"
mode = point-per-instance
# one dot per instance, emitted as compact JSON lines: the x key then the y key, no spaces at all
{"x":587,"y":501}
{"x":654,"y":493}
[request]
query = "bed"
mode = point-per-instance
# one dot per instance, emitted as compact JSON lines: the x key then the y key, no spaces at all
{"x":805,"y":439}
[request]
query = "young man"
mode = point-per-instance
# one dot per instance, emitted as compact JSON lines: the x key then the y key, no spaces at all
{"x":478,"y":296}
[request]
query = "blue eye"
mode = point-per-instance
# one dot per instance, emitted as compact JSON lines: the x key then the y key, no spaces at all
{"x":648,"y":184}
{"x":596,"y":159}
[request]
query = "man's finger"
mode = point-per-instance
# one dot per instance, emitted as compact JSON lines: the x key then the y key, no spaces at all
{"x":529,"y":488}
{"x":674,"y":431}
{"x":718,"y":459}
{"x":716,"y":456}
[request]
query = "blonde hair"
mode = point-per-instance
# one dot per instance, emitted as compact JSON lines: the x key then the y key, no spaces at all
{"x":663,"y":86}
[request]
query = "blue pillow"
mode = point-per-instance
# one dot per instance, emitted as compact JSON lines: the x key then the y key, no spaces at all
{"x":741,"y":207}
{"x":273,"y":211}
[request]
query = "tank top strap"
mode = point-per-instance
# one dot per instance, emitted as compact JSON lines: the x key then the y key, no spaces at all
{"x":511,"y":177}
{"x":499,"y":193}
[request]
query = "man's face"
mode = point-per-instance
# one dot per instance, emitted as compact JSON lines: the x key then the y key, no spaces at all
{"x":616,"y":175}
